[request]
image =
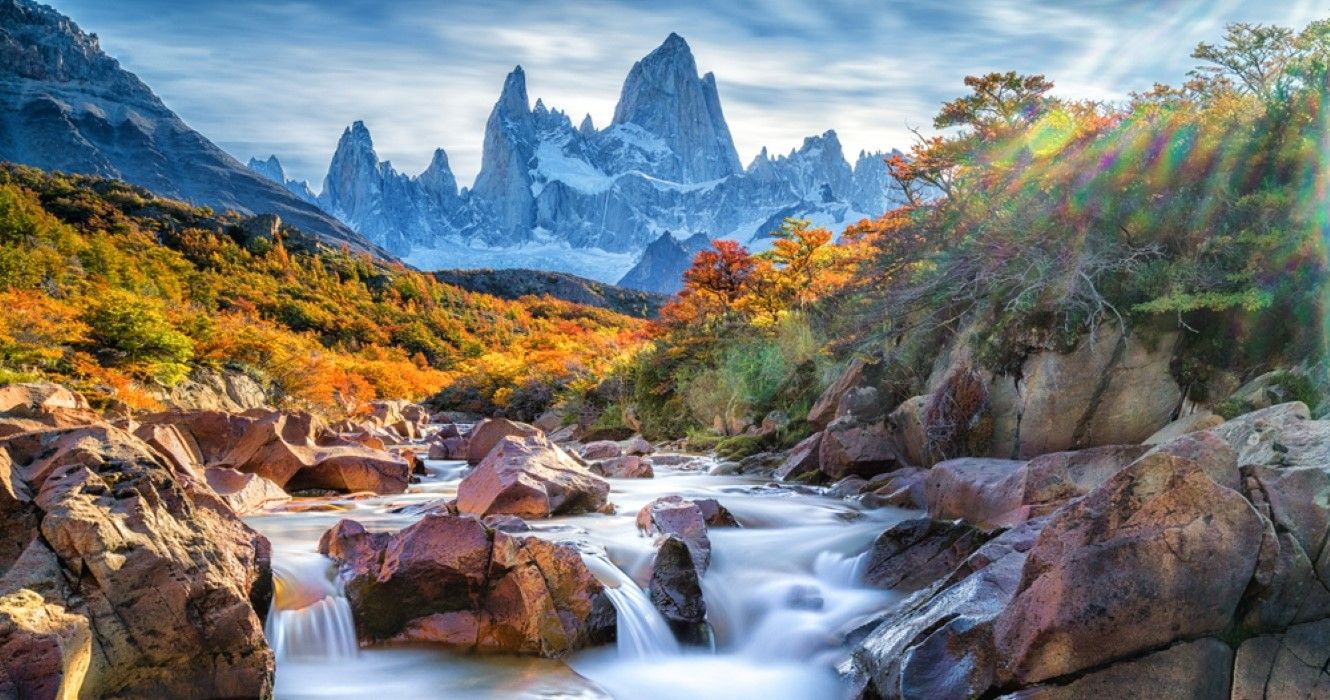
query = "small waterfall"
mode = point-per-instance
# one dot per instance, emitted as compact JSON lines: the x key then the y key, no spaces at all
{"x":840,"y":570}
{"x":310,"y":617}
{"x":642,"y":632}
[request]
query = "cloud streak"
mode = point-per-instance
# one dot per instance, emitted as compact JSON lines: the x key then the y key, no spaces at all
{"x":286,"y":76}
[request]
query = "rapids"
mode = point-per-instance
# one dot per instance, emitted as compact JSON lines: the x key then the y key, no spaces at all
{"x":782,"y":592}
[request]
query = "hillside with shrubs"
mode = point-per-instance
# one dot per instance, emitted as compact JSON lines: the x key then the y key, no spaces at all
{"x":122,"y":295}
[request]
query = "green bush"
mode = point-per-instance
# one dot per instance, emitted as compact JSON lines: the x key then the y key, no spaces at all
{"x":130,"y":331}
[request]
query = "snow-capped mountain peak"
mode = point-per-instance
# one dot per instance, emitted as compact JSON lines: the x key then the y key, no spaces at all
{"x":665,"y":162}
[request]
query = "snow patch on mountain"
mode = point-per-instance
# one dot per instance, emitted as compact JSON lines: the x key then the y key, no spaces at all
{"x":554,"y":256}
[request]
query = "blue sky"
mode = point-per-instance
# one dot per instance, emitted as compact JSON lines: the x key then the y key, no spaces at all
{"x":286,"y":76}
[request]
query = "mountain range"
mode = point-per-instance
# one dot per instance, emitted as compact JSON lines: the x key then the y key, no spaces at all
{"x":65,"y":105}
{"x":645,"y":191}
{"x":549,"y":194}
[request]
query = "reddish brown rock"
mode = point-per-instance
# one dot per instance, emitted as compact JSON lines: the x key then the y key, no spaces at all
{"x":861,"y":449}
{"x":715,"y":514}
{"x":678,"y":516}
{"x":170,"y":578}
{"x":453,"y":581}
{"x":1160,"y":552}
{"x":601,"y":449}
{"x":487,"y":433}
{"x":626,"y":467}
{"x":823,"y":411}
{"x":44,"y":650}
{"x":913,"y":554}
{"x":245,"y":493}
{"x":995,"y":493}
{"x":359,"y":552}
{"x":215,"y":433}
{"x":176,"y":445}
{"x":802,"y":459}
{"x":448,"y":448}
{"x":531,"y":478}
{"x":1196,"y":670}
{"x":38,"y":397}
{"x":285,"y":449}
{"x":967,"y":488}
{"x":903,"y":488}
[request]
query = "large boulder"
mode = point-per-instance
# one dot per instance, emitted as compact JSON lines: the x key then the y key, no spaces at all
{"x":824,"y":409}
{"x":683,"y":554}
{"x":995,"y":493}
{"x":626,"y":467}
{"x":1159,"y":553}
{"x":215,"y":390}
{"x":1290,"y":664}
{"x":170,"y":583}
{"x":245,"y":493}
{"x":1196,"y":670}
{"x":453,"y":581}
{"x":1290,"y":585}
{"x":44,"y":650}
{"x":37,"y":397}
{"x":914,"y":553}
{"x":967,"y":488}
{"x":1124,"y":590}
{"x":1112,"y":389}
{"x":530,"y":477}
{"x":801,"y":460}
{"x":849,"y":447}
{"x":938,"y":643}
{"x":487,"y":433}
{"x":287,"y":448}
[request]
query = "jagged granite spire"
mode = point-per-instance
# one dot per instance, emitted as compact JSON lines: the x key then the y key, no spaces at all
{"x":664,"y":96}
{"x":273,"y":170}
{"x":352,"y":188}
{"x":587,"y":128}
{"x":438,"y":178}
{"x":504,"y":182}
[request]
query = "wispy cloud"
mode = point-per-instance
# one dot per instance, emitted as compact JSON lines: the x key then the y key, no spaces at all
{"x":286,"y":76}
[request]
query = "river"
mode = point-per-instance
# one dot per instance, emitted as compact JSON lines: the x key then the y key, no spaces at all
{"x":781,"y":592}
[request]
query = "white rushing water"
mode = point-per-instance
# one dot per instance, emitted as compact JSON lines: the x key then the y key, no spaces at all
{"x":782,"y":593}
{"x":310,"y":616}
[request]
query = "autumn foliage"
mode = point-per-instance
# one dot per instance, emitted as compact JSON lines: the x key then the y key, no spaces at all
{"x":124,"y":294}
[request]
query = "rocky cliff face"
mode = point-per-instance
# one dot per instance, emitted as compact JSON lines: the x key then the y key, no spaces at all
{"x":666,"y":162}
{"x":663,"y":97}
{"x":65,"y":105}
